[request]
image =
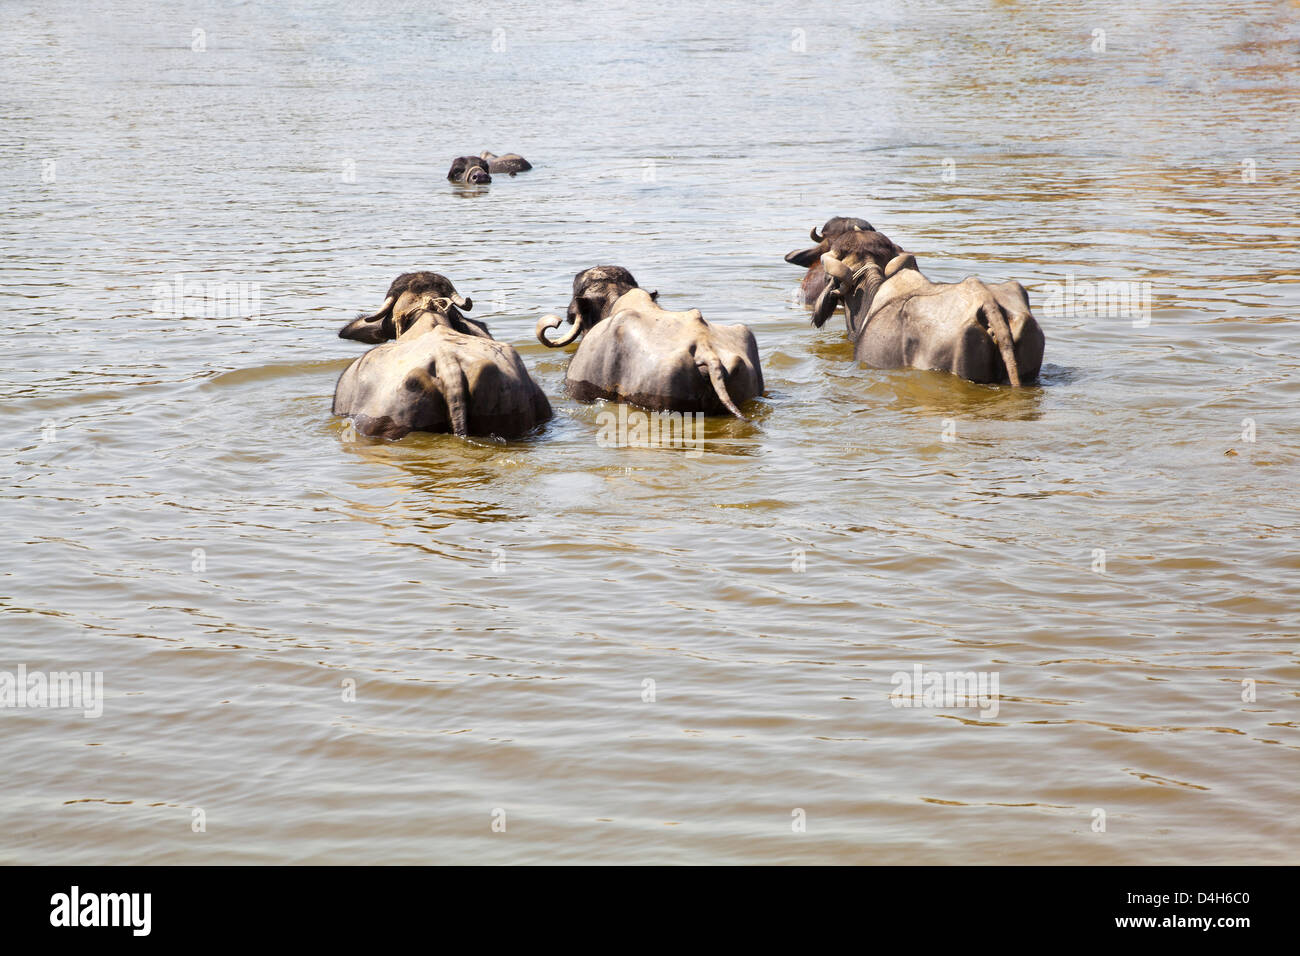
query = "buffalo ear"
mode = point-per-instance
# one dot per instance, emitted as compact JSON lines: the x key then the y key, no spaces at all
{"x":804,"y":257}
{"x":370,"y":329}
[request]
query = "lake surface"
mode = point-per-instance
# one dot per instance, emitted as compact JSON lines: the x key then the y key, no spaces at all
{"x":322,"y":649}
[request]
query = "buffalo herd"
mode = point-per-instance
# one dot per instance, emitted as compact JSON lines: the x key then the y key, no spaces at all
{"x":434,"y":369}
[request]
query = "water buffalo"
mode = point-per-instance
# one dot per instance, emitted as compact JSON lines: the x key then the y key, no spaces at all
{"x":471,"y":170}
{"x":814,"y":280}
{"x":637,"y":352}
{"x":897,"y":318}
{"x":436,"y":371}
{"x":510,"y":163}
{"x":408,"y":293}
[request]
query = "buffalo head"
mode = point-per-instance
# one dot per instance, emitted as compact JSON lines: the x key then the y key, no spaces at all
{"x":835,"y":226}
{"x":410,"y":295}
{"x":472,"y":170}
{"x":856,"y":263}
{"x":595,"y":291}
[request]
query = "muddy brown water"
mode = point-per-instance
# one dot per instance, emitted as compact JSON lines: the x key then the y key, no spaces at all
{"x":321,"y":649}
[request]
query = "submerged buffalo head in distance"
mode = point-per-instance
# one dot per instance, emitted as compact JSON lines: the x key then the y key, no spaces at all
{"x":411,"y":295}
{"x":814,"y":279}
{"x":469,"y":169}
{"x":595,"y":291}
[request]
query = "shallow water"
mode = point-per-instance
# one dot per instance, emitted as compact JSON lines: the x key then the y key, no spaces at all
{"x":498,"y":607}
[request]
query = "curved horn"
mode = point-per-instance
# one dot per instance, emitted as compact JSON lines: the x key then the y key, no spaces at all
{"x":462,"y":301}
{"x":812,"y":234}
{"x":548,"y":322}
{"x":834,"y":267}
{"x":904,"y":260}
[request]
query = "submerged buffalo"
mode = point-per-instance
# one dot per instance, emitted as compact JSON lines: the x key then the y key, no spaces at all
{"x":897,"y":318}
{"x":814,"y":280}
{"x":510,"y":163}
{"x":436,"y":371}
{"x":471,"y":170}
{"x":637,"y":352}
{"x":478,"y":170}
